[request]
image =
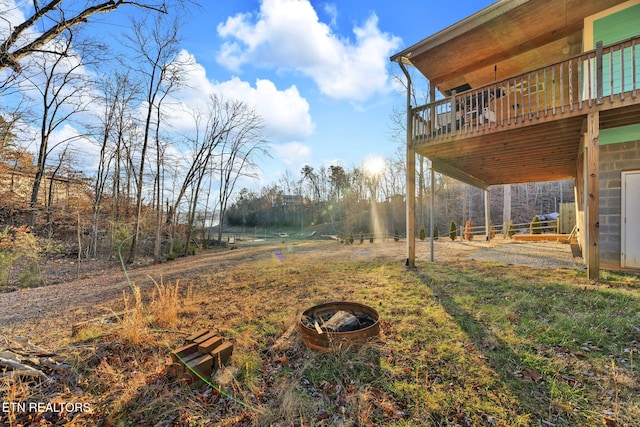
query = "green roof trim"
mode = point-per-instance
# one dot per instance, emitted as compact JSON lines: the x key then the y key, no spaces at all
{"x":619,"y":134}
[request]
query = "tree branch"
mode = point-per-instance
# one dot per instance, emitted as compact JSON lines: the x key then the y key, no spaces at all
{"x":9,"y":58}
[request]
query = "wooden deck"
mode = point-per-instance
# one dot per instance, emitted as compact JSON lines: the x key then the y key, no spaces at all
{"x":528,"y":128}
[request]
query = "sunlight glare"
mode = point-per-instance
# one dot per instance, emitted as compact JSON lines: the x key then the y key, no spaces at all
{"x":374,"y":166}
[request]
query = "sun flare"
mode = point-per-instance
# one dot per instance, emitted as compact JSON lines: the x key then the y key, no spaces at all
{"x":374,"y":166}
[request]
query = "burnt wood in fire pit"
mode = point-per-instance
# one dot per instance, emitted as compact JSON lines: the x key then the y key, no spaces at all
{"x":326,"y":325}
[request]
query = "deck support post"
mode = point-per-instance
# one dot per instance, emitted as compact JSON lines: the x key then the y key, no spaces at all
{"x":410,"y":177}
{"x":592,"y":195}
{"x":432,"y":210}
{"x":487,"y":215}
{"x":506,"y":209}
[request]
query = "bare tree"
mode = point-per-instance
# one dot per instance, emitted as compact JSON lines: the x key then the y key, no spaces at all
{"x":54,"y":19}
{"x":60,"y":82}
{"x":118,"y":93}
{"x":242,"y":145}
{"x":209,"y":132}
{"x":156,"y":51}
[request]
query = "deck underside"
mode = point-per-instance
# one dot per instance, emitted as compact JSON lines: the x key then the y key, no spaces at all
{"x":540,"y":149}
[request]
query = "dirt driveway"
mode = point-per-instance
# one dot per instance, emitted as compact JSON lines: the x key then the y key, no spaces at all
{"x":28,"y":311}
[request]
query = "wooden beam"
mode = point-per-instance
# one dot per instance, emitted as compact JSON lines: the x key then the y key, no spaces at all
{"x":487,"y":215}
{"x":506,"y":209}
{"x":458,"y":174}
{"x":593,"y":195}
{"x":579,"y":191}
{"x":410,"y":178}
{"x":411,"y":207}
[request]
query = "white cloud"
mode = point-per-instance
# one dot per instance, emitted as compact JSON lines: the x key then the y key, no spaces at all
{"x":285,"y":112}
{"x":10,"y":16}
{"x":288,"y":35}
{"x":331,"y":10}
{"x":292,"y":154}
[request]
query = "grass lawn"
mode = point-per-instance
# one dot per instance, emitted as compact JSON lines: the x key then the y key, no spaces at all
{"x":463,"y":343}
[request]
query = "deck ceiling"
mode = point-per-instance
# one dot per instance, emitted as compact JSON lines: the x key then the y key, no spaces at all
{"x":496,"y":157}
{"x":523,"y":36}
{"x":546,"y":151}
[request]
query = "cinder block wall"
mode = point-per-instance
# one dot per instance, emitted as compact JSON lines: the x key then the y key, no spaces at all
{"x":614,"y":158}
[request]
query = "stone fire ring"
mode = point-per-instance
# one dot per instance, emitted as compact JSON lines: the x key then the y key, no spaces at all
{"x":329,"y":340}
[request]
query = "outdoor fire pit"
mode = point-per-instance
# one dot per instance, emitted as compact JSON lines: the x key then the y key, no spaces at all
{"x":325,"y":326}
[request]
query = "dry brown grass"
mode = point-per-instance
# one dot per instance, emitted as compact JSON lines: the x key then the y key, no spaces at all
{"x":165,"y":304}
{"x":134,"y":320}
{"x":463,"y":343}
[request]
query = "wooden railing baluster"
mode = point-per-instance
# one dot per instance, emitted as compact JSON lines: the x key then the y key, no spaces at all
{"x":633,"y":68}
{"x":599,"y":73}
{"x":622,"y":86}
{"x":565,"y":86}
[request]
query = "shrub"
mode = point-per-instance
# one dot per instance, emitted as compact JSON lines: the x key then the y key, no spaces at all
{"x":396,"y":235}
{"x":453,"y":230}
{"x":18,"y":244}
{"x":351,"y":238}
{"x":468,"y":233}
{"x":536,"y":225}
{"x":423,"y":234}
{"x":361,"y":237}
{"x":436,"y":233}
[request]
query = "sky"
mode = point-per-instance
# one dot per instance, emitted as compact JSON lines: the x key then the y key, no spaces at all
{"x":317,"y":72}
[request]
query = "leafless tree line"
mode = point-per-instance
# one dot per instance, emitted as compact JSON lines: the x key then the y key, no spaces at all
{"x":145,"y":174}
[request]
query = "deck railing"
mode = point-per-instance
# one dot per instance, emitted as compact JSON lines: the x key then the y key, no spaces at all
{"x":573,"y":85}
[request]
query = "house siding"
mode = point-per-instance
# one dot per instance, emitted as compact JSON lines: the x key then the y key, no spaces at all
{"x":614,"y":158}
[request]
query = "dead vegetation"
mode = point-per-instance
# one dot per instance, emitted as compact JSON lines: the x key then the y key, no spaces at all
{"x":462,"y":343}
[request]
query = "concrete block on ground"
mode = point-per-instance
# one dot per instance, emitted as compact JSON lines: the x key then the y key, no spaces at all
{"x":209,"y":345}
{"x":194,"y":336}
{"x":221,"y":354}
{"x":182,"y":352}
{"x":203,"y":338}
{"x":203,"y":365}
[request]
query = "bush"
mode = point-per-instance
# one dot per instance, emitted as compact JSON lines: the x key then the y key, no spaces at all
{"x":18,"y":244}
{"x":468,"y":232}
{"x":436,"y":233}
{"x":396,"y":235}
{"x":453,"y":230}
{"x":361,"y":237}
{"x":423,"y":234}
{"x":351,"y":238}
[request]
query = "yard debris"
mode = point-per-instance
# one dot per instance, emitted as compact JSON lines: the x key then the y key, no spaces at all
{"x":20,"y":358}
{"x":340,"y":321}
{"x":100,"y":320}
{"x":203,"y":352}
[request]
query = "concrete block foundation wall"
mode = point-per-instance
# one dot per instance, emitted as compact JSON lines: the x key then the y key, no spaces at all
{"x":614,"y":158}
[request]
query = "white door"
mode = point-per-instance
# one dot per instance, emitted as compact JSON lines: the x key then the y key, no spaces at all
{"x":630,"y":250}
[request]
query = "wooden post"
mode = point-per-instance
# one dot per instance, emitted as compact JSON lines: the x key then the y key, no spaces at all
{"x":410,"y":177}
{"x":411,"y":207}
{"x":579,"y":190}
{"x":453,"y":112}
{"x":487,"y":215}
{"x":506,"y":209}
{"x":592,"y":208}
{"x":599,"y":76}
{"x":432,"y":204}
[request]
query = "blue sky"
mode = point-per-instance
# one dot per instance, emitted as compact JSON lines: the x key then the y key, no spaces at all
{"x":317,"y":72}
